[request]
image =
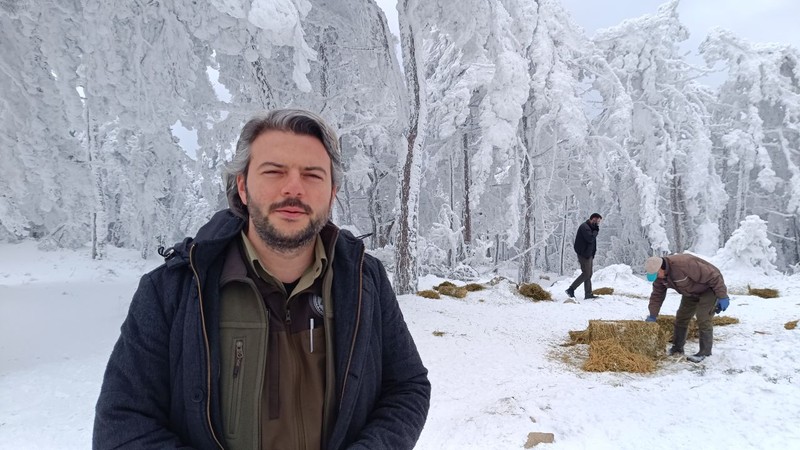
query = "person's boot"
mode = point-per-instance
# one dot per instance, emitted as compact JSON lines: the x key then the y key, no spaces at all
{"x":706,"y":342}
{"x":570,"y":292}
{"x":678,"y":340}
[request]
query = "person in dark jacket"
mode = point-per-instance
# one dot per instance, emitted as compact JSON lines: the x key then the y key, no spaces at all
{"x":586,"y":247}
{"x":703,"y":294}
{"x":271,"y":328}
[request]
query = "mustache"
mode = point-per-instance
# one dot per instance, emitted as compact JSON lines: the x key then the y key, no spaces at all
{"x":290,"y":203}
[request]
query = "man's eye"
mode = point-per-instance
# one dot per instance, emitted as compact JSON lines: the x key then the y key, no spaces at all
{"x":315,"y":176}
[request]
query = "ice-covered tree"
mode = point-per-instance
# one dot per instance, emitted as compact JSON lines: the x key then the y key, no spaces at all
{"x":43,"y":165}
{"x":749,"y":247}
{"x":554,"y":161}
{"x":669,"y":139}
{"x":758,"y":138}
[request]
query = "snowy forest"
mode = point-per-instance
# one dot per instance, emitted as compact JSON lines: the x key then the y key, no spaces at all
{"x":479,"y":140}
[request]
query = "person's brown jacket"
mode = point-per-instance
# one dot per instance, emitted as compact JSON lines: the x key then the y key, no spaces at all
{"x":690,"y":276}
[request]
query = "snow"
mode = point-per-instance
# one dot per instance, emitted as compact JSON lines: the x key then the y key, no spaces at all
{"x":498,"y":371}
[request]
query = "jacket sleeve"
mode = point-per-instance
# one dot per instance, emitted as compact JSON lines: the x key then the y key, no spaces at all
{"x":132,"y":410}
{"x":400,"y":413}
{"x":657,"y":297}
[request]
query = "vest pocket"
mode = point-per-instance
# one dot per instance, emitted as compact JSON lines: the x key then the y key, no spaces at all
{"x":235,"y":394}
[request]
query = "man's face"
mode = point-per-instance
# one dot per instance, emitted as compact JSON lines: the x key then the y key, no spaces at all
{"x":596,"y":220}
{"x":288,"y":190}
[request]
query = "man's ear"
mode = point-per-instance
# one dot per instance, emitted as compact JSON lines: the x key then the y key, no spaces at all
{"x":241,"y":186}
{"x":334,"y":190}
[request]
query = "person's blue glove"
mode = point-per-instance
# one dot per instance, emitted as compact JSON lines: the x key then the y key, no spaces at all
{"x":722,"y":304}
{"x":650,"y":319}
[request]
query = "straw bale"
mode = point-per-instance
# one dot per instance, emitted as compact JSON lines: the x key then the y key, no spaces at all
{"x":603,"y":291}
{"x":453,"y":291}
{"x":534,"y":291}
{"x":791,"y":325}
{"x":667,"y":324}
{"x":634,"y":335}
{"x":607,"y":355}
{"x":429,"y":293}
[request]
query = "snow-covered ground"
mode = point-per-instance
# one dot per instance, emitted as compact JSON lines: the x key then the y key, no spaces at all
{"x":495,"y":362}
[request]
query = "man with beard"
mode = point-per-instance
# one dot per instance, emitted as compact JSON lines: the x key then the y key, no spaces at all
{"x":272,"y":328}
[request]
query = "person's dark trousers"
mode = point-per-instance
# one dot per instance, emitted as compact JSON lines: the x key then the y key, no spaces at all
{"x":585,"y":277}
{"x":703,"y":307}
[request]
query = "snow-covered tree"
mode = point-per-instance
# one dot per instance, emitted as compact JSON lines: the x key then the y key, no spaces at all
{"x":670,"y":138}
{"x":749,"y":247}
{"x":758,"y":139}
{"x":41,"y":159}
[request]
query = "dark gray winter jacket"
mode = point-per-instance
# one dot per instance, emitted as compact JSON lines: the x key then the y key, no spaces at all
{"x":586,"y":240}
{"x":161,"y":386}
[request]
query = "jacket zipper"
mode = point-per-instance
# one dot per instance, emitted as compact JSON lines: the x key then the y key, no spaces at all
{"x":358,"y":323}
{"x":208,"y":349}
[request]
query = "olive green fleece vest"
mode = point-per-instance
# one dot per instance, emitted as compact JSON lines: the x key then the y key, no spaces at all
{"x":273,"y":352}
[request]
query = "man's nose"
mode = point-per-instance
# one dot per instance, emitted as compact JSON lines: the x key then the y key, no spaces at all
{"x":293,"y":184}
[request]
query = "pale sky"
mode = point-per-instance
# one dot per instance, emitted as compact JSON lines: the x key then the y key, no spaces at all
{"x":758,"y":21}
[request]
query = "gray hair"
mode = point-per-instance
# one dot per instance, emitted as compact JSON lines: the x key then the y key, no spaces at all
{"x":289,"y":120}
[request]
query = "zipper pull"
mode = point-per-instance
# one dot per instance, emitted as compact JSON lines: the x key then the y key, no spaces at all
{"x":239,"y":357}
{"x":288,"y":316}
{"x":311,"y":334}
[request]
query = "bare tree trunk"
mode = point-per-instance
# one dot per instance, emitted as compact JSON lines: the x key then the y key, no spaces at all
{"x":563,"y":246}
{"x":467,"y":183}
{"x":405,"y":276}
{"x":678,"y":210}
{"x":374,"y":204}
{"x":525,"y":273}
{"x":98,"y":214}
{"x":526,"y":263}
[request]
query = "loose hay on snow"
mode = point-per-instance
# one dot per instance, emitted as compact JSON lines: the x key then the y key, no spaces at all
{"x":443,"y":284}
{"x":429,"y":293}
{"x":579,"y":337}
{"x":608,"y":355}
{"x":453,"y":291}
{"x":603,"y":291}
{"x":473,"y":287}
{"x":763,"y":293}
{"x":791,"y":325}
{"x":534,"y":291}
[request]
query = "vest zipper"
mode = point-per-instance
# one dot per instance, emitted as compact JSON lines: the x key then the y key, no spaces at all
{"x":236,"y":387}
{"x":237,"y":365}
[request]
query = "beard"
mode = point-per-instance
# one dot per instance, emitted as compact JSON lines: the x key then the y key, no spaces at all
{"x":273,"y":237}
